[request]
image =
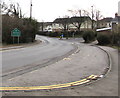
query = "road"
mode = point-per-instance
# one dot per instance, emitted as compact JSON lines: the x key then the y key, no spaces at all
{"x":20,"y":59}
{"x":85,"y":61}
{"x":51,"y":61}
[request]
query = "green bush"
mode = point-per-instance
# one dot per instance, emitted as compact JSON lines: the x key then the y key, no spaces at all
{"x":116,"y":39}
{"x":28,"y":29}
{"x":88,"y":36}
{"x":53,"y":34}
{"x":103,"y":39}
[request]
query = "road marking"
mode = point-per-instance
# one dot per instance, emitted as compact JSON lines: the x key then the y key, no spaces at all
{"x":83,"y":81}
{"x":67,"y":59}
{"x":11,"y":79}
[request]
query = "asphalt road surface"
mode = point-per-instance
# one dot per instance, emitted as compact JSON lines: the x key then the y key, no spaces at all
{"x":86,"y":60}
{"x":49,"y":50}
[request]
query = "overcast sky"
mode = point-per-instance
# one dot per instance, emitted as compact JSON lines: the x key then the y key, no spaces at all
{"x":48,"y":10}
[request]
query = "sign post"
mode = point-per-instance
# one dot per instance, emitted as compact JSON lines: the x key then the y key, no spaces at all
{"x":15,"y":33}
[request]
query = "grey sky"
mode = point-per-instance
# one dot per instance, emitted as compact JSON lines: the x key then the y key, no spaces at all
{"x":48,"y":10}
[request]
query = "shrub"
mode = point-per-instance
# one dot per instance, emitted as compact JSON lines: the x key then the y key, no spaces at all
{"x":79,"y":33}
{"x":103,"y":39}
{"x":53,"y":34}
{"x":88,"y":36}
{"x":44,"y":33}
{"x":116,"y":39}
{"x":28,"y":29}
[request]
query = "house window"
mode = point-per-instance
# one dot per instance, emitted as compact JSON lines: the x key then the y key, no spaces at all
{"x":109,"y":25}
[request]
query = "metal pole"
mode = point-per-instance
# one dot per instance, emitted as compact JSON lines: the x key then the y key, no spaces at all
{"x":13,"y":39}
{"x":0,"y":24}
{"x":92,"y":17}
{"x":30,"y":10}
{"x":18,"y":39}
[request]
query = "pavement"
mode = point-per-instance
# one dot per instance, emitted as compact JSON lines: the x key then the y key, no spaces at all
{"x":87,"y":60}
{"x":16,"y":46}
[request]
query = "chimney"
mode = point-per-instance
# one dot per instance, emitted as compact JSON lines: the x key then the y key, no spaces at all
{"x":116,"y":14}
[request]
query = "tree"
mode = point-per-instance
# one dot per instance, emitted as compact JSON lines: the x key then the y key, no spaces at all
{"x":64,"y":21}
{"x":98,"y":17}
{"x":12,"y":18}
{"x":11,"y":9}
{"x":77,"y":21}
{"x":79,"y":17}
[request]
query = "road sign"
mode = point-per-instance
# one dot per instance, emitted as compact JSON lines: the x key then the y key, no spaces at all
{"x":16,"y":33}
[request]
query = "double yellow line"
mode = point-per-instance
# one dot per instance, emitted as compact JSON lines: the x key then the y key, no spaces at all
{"x":86,"y":80}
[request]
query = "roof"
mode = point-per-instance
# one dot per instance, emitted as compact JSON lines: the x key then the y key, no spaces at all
{"x":104,"y":29}
{"x":108,"y":19}
{"x":61,"y":20}
{"x":72,"y":19}
{"x":81,"y":19}
{"x":77,"y":17}
{"x":45,"y":23}
{"x":116,"y":19}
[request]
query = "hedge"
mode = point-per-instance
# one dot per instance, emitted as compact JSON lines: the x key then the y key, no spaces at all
{"x":28,"y":29}
{"x":88,"y":36}
{"x":104,"y":39}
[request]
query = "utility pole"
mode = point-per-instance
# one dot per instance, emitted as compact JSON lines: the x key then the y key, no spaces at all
{"x":79,"y":11}
{"x":0,"y":25}
{"x":92,"y":17}
{"x":30,"y":10}
{"x":97,"y":18}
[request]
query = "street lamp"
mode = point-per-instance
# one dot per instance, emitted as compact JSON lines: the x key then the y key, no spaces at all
{"x":0,"y":26}
{"x":92,"y":17}
{"x":30,"y":10}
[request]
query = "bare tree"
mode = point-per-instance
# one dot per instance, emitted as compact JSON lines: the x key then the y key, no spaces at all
{"x":98,"y":17}
{"x":11,"y":9}
{"x":79,"y":17}
{"x":85,"y":15}
{"x":78,"y":21}
{"x":73,"y":12}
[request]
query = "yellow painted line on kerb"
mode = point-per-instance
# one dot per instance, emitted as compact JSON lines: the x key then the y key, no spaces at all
{"x":86,"y":80}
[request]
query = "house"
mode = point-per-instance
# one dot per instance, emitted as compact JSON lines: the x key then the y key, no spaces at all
{"x":105,"y":22}
{"x":72,"y":24}
{"x":60,"y":24}
{"x":116,"y":19}
{"x":67,"y":24}
{"x":116,"y":24}
{"x":84,"y":22}
{"x":106,"y":31}
{"x":45,"y":26}
{"x":110,"y":25}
